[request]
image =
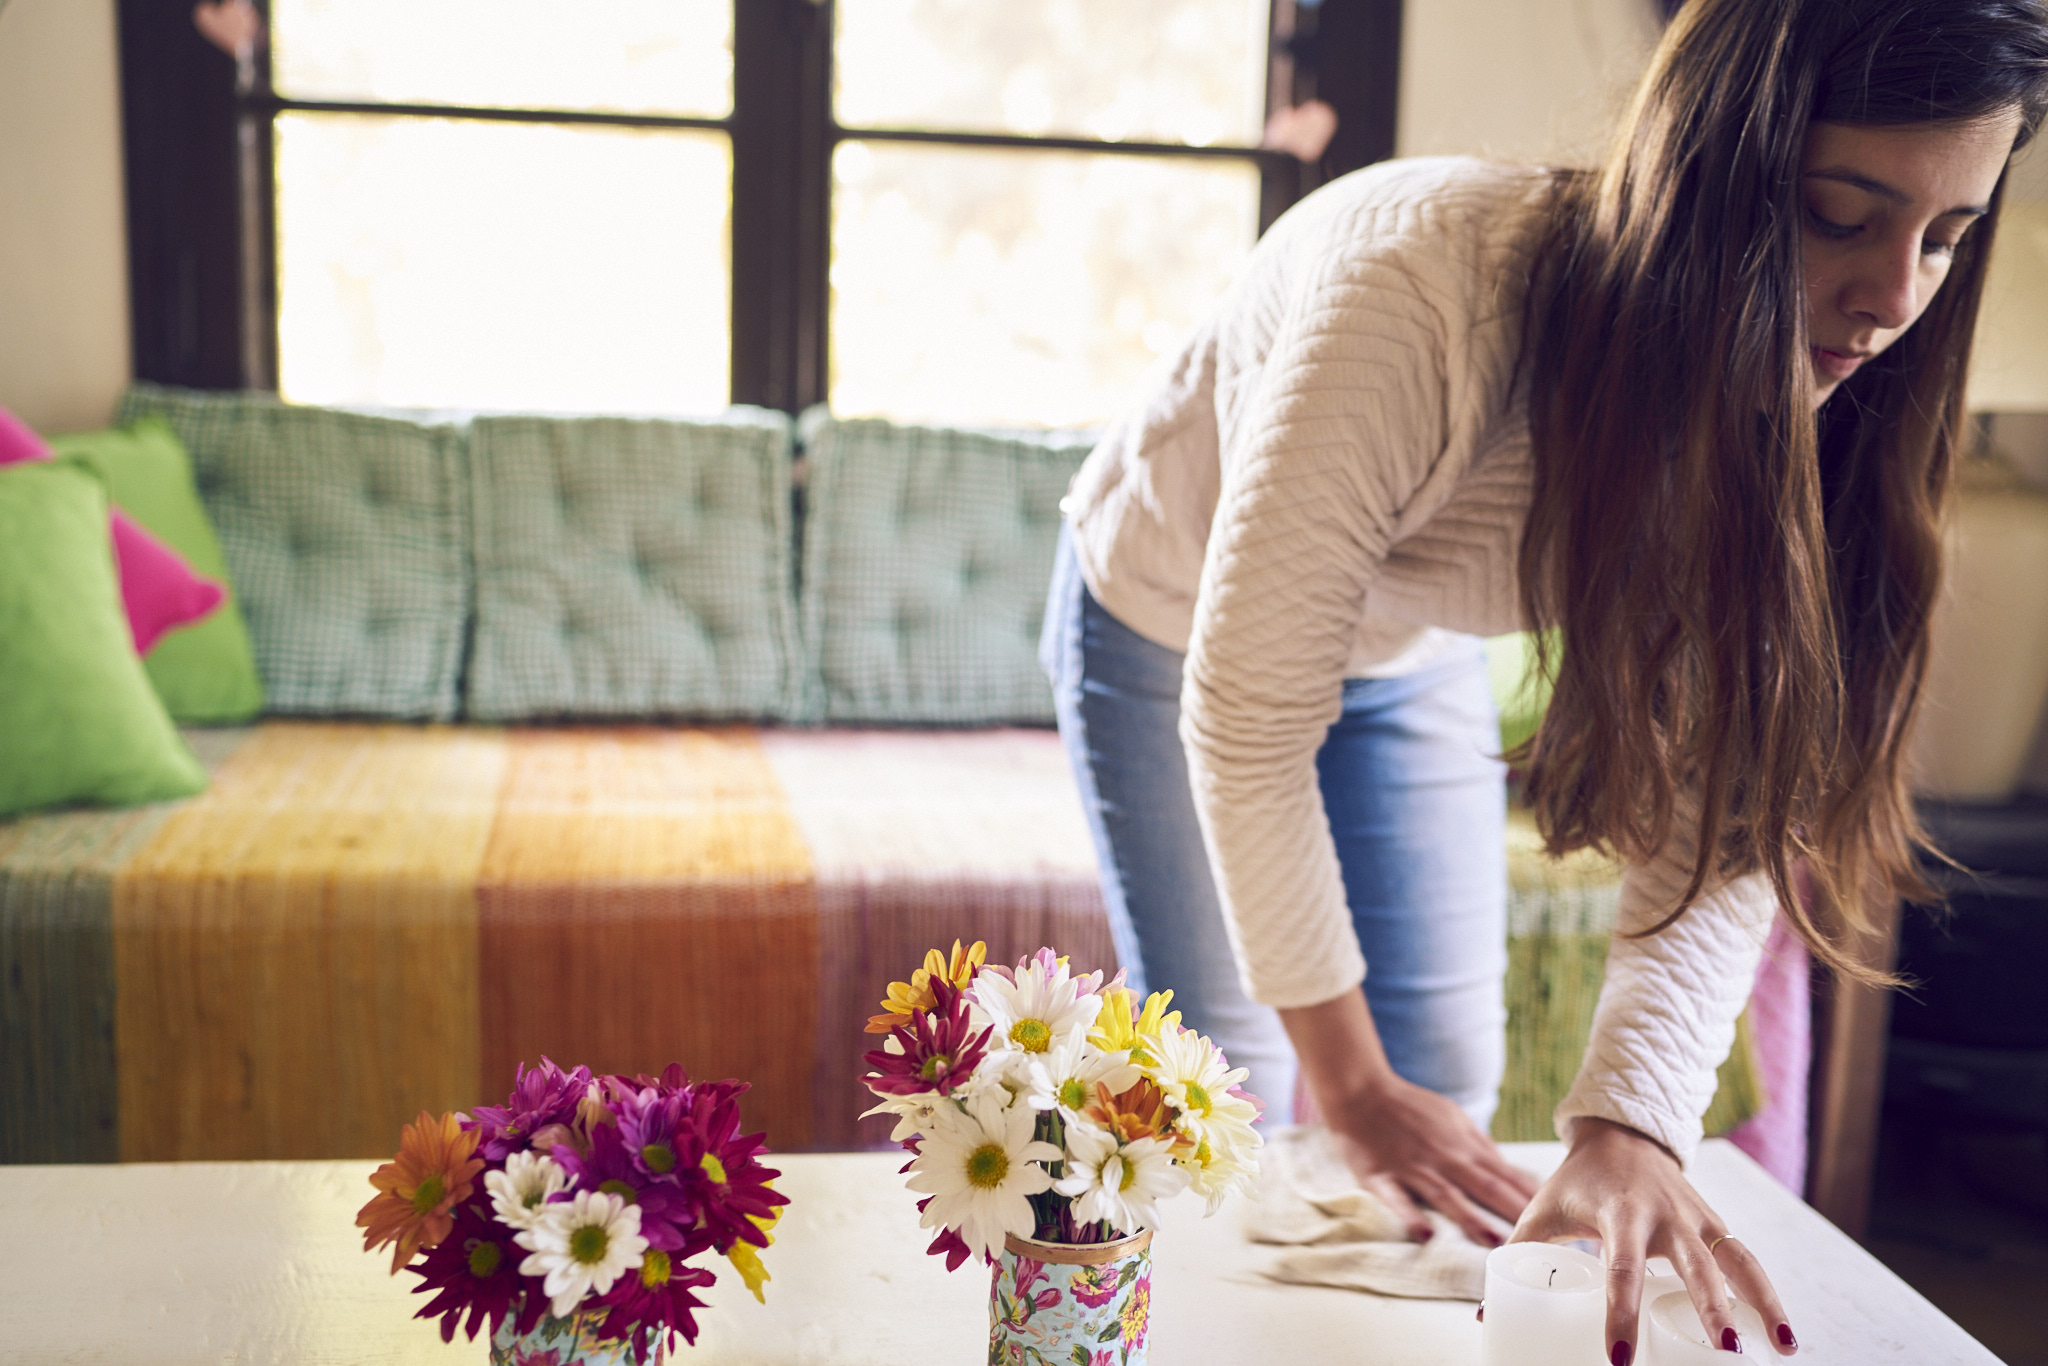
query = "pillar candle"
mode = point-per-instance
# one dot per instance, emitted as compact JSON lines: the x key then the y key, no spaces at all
{"x":1546,"y":1305}
{"x":1672,"y":1335}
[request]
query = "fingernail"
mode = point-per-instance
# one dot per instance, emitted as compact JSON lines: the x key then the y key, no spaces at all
{"x":1492,"y":1238}
{"x":1623,"y":1353}
{"x":1729,"y":1341}
{"x":1785,"y":1335}
{"x":1481,"y":1315}
{"x":1423,"y":1235}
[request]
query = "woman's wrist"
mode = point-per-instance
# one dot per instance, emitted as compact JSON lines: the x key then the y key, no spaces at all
{"x":1340,"y":1052}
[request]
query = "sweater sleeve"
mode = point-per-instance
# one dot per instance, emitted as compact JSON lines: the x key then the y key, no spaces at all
{"x":1347,"y":421}
{"x":1669,"y":1001}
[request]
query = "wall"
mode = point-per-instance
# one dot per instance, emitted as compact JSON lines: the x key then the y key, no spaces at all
{"x":1519,"y":80}
{"x":63,"y":245}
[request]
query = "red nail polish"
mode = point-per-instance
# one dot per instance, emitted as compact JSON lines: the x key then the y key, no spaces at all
{"x":1481,"y":1315}
{"x":1423,"y":1235}
{"x":1622,"y":1354}
{"x":1729,"y":1341}
{"x":1785,"y":1335}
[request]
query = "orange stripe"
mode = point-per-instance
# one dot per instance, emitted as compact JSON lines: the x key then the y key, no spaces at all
{"x":647,"y":899}
{"x":296,"y":949}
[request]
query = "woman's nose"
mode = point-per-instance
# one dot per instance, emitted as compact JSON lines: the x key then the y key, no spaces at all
{"x":1885,"y":287}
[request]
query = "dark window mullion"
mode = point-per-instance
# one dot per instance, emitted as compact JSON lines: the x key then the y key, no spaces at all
{"x":781,"y":166}
{"x":277,"y":104}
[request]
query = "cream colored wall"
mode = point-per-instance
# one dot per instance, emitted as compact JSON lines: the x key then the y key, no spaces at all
{"x":63,"y":242}
{"x":1521,"y":80}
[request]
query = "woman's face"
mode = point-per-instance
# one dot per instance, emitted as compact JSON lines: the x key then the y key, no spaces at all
{"x":1884,"y":210}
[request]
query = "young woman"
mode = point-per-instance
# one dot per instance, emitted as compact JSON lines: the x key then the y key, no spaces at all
{"x":1699,"y":411}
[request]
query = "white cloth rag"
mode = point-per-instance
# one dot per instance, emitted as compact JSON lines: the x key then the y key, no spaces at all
{"x":1339,"y":1235}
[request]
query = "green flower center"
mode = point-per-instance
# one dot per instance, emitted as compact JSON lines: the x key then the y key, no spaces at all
{"x":484,"y":1258}
{"x":987,"y":1167}
{"x":428,"y":1195}
{"x":1203,"y":1157}
{"x":659,"y":1157}
{"x":534,"y":1196}
{"x":713,"y":1168}
{"x":622,"y":1190}
{"x":1129,"y":1177}
{"x":1198,"y":1099}
{"x":1033,"y":1036}
{"x":935,"y":1064}
{"x":589,"y":1244}
{"x":1073,"y":1094}
{"x":654,"y":1270}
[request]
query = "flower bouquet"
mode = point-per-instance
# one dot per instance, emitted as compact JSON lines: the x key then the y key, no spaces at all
{"x":566,"y":1217}
{"x":1049,"y":1114}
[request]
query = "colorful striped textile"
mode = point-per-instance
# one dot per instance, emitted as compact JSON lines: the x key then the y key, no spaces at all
{"x":358,"y":921}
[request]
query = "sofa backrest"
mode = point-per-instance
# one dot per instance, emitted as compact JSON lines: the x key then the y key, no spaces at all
{"x":523,"y":567}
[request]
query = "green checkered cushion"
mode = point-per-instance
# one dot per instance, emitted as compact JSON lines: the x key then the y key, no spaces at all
{"x":926,"y":559}
{"x":633,"y":568}
{"x":346,"y":538}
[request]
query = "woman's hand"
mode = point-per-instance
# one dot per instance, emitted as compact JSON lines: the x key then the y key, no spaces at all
{"x":1629,"y":1192}
{"x":1404,"y":1143}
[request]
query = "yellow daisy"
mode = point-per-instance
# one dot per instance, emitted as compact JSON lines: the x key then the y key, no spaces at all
{"x":746,"y":1258}
{"x":906,"y":998}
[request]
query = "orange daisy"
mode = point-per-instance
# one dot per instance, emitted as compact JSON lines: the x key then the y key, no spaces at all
{"x":906,"y":998}
{"x":1139,"y":1111}
{"x":431,"y":1175}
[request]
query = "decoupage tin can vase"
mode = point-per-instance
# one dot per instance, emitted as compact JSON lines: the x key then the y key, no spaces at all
{"x":567,"y":1342}
{"x":1071,"y":1304}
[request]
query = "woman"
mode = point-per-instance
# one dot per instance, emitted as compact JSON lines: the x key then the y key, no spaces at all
{"x":1699,"y":410}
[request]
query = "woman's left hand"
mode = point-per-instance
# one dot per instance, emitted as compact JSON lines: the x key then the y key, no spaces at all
{"x":1629,"y":1192}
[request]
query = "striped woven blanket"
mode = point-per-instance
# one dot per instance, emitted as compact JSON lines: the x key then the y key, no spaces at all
{"x":356,"y":922}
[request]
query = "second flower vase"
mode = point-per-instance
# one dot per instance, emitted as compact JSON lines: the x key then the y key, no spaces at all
{"x":1071,"y":1304}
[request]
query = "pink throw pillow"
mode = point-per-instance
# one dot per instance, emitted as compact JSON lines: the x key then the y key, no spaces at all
{"x":159,"y":591}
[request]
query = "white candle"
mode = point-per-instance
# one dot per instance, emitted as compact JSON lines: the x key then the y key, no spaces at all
{"x":1546,"y":1305}
{"x":1672,"y":1335}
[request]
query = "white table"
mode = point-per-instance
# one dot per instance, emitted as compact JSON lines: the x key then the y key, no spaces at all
{"x":176,"y":1265}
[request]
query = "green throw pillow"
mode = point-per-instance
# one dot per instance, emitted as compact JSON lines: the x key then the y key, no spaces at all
{"x":78,"y":719}
{"x":205,"y":672}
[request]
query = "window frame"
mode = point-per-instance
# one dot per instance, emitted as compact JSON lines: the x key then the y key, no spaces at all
{"x":199,"y":160}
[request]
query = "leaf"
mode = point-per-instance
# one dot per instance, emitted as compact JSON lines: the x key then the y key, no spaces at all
{"x":1125,"y":1274}
{"x":1110,"y":1332}
{"x":1080,"y":1355}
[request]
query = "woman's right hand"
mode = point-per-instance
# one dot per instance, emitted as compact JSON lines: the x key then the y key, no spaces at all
{"x":1403,"y":1142}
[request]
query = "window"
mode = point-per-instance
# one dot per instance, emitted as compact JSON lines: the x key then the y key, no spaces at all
{"x":931,"y":209}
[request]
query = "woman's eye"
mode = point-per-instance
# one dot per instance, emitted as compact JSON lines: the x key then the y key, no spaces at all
{"x":1827,"y":227}
{"x":1931,"y":247}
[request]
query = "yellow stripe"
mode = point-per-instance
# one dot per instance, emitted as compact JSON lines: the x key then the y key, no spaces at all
{"x":296,"y":949}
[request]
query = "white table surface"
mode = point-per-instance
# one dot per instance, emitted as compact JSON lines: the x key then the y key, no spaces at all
{"x":180,"y":1264}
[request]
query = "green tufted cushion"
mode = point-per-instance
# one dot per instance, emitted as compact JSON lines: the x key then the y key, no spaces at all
{"x":633,"y":568}
{"x":346,"y":537}
{"x":926,"y":559}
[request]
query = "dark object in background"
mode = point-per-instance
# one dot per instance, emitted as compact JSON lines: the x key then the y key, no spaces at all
{"x":1971,"y":1039}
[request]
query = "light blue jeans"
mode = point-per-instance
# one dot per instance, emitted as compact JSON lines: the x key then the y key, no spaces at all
{"x":1416,"y":802}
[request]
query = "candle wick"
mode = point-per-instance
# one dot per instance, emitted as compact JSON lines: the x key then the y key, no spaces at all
{"x":1553,"y":1276}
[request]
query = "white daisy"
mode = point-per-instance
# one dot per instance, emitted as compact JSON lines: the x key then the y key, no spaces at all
{"x":914,"y":1114}
{"x":581,"y":1246}
{"x":1222,"y":1163}
{"x":518,"y":1192}
{"x":1036,"y":1006}
{"x":1197,"y":1081}
{"x":979,"y":1165}
{"x":1065,"y":1077}
{"x":1120,"y":1185}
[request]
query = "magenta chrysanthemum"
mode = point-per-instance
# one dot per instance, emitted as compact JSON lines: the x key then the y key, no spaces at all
{"x":475,"y":1269}
{"x":541,"y":1096}
{"x":721,"y":1173}
{"x":654,"y":1300}
{"x":940,"y":1049}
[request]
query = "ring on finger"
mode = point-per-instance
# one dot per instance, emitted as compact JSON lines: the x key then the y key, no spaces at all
{"x":1717,"y":1242}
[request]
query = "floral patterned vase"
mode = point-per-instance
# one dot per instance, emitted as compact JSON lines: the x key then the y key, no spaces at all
{"x":1071,"y":1304}
{"x":567,"y":1342}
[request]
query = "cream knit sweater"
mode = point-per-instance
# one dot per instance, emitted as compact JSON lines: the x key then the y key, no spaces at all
{"x":1328,"y":481}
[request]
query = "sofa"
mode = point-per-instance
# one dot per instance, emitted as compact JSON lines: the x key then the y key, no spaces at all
{"x":622,"y":741}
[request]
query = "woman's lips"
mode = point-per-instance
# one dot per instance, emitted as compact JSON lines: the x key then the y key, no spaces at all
{"x":1837,"y":365}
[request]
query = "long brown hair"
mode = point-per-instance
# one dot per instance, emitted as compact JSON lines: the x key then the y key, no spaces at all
{"x":1743,"y":584}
